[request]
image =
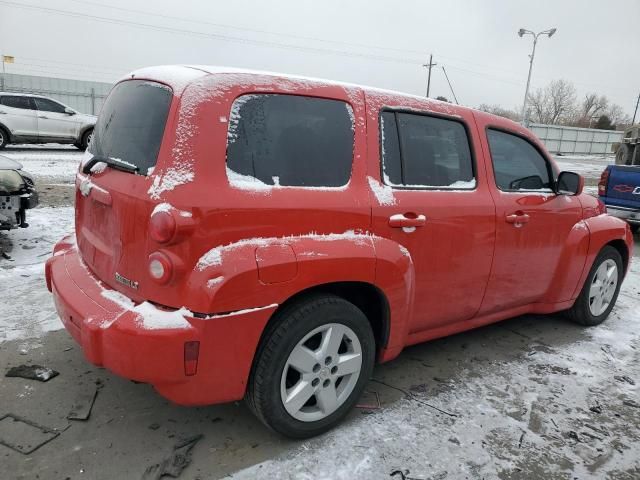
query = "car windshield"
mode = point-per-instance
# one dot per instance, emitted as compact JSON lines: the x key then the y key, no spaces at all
{"x":131,"y":123}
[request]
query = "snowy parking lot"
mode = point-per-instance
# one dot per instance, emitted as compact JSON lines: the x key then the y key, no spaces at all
{"x":532,"y":397}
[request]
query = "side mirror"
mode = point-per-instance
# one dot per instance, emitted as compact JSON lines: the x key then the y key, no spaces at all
{"x":569,"y":183}
{"x":68,"y":111}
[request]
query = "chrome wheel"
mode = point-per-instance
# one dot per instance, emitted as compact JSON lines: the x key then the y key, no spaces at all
{"x":603,"y":287}
{"x":321,"y":372}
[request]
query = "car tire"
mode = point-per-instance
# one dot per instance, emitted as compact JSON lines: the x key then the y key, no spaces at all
{"x":4,"y":138}
{"x":318,"y":334}
{"x":86,"y":138}
{"x":600,"y":290}
{"x":635,"y":228}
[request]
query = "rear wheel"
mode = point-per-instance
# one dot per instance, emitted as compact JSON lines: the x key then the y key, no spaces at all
{"x":312,"y":366}
{"x":4,"y":138}
{"x":85,"y":141}
{"x":635,"y":228}
{"x":600,"y":290}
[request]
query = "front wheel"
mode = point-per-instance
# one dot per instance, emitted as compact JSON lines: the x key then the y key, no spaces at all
{"x":600,"y":290}
{"x":312,"y":366}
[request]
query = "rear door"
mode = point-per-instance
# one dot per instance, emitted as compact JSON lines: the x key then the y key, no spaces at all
{"x":532,"y":222}
{"x":19,"y":115}
{"x":53,"y":121}
{"x":438,"y":205}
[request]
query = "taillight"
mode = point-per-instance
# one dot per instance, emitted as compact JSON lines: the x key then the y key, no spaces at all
{"x":160,"y":267}
{"x":191,"y":353}
{"x":162,"y":226}
{"x":602,"y":184}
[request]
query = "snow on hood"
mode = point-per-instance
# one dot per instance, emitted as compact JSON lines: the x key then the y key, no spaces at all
{"x":8,"y":164}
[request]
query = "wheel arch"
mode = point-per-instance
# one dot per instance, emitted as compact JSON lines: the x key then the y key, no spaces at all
{"x":622,"y":249}
{"x":366,"y":296}
{"x":8,"y":132}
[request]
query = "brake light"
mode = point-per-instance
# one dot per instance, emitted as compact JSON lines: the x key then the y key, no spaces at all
{"x":602,"y":184}
{"x":191,"y":353}
{"x":160,"y":267}
{"x":162,"y":226}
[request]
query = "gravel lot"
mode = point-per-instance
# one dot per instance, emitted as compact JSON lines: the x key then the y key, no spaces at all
{"x":532,"y":397}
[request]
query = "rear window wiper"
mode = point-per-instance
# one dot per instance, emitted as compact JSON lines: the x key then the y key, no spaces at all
{"x":112,"y":162}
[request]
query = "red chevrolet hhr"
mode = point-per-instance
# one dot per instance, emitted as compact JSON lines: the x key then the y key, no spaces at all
{"x":247,"y":234}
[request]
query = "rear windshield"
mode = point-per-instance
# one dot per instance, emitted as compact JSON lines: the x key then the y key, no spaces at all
{"x":131,"y":123}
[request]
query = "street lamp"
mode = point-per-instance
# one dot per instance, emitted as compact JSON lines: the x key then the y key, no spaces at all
{"x":521,"y":33}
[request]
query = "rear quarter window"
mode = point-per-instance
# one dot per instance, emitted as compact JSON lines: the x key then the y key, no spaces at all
{"x":291,"y":140}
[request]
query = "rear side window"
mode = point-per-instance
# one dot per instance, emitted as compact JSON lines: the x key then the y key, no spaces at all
{"x":517,"y":164}
{"x":131,"y":123}
{"x":46,"y":105}
{"x":424,"y":151}
{"x":24,"y":103}
{"x":291,"y":140}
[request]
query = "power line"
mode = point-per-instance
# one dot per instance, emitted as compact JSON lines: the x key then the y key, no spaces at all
{"x":217,"y":36}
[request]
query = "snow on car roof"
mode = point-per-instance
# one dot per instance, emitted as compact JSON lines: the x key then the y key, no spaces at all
{"x":180,"y":75}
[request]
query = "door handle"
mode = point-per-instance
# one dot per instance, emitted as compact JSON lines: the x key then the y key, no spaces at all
{"x":517,"y":218}
{"x":407,"y":220}
{"x":3,"y":113}
{"x":39,"y":116}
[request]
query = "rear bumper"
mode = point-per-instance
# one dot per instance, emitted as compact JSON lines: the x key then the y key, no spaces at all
{"x":631,"y":215}
{"x":120,"y":339}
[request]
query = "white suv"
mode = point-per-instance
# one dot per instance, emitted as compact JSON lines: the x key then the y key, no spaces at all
{"x":33,"y":119}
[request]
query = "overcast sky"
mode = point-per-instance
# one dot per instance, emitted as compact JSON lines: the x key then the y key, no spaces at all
{"x":373,"y":42}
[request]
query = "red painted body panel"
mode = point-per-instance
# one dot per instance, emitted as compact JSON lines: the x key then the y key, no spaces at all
{"x":238,"y":253}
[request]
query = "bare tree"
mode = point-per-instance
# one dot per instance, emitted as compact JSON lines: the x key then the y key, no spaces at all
{"x":500,"y":111}
{"x":554,"y":103}
{"x":618,"y":116}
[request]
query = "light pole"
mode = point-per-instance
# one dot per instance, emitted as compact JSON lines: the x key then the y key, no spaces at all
{"x":521,"y":33}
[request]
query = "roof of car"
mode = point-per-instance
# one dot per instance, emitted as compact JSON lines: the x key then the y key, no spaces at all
{"x":21,"y":94}
{"x":179,"y":76}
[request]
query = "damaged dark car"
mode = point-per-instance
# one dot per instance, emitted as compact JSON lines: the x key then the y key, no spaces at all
{"x":17,"y":194}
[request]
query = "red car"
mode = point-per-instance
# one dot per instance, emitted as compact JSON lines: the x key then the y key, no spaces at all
{"x":255,"y":235}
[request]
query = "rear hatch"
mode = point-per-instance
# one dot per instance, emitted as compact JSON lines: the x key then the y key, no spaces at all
{"x":623,"y":186}
{"x":112,"y":204}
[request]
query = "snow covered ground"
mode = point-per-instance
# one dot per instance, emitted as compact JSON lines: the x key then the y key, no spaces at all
{"x":28,"y":309}
{"x":50,"y":163}
{"x":589,"y":166}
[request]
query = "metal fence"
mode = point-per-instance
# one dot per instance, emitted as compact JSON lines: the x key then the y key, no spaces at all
{"x":583,"y":141}
{"x":84,"y":96}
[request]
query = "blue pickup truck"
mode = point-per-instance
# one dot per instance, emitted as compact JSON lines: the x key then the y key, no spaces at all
{"x":619,"y":189}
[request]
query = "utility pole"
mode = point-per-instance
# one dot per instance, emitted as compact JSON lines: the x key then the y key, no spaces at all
{"x":429,"y":65}
{"x":636,"y":110}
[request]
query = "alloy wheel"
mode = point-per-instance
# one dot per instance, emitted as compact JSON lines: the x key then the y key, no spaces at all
{"x":603,"y":287}
{"x":321,"y":372}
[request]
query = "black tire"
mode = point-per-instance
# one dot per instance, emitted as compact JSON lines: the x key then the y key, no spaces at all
{"x":4,"y":138}
{"x":86,"y":138}
{"x":635,"y":228}
{"x":624,"y":154}
{"x":290,"y":326}
{"x":580,"y":312}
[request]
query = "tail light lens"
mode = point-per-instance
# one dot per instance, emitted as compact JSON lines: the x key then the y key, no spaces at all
{"x":162,"y":226}
{"x":160,"y":267}
{"x":191,"y":353}
{"x":602,"y":184}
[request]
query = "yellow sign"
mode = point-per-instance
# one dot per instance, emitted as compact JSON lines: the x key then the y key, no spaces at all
{"x":8,"y":59}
